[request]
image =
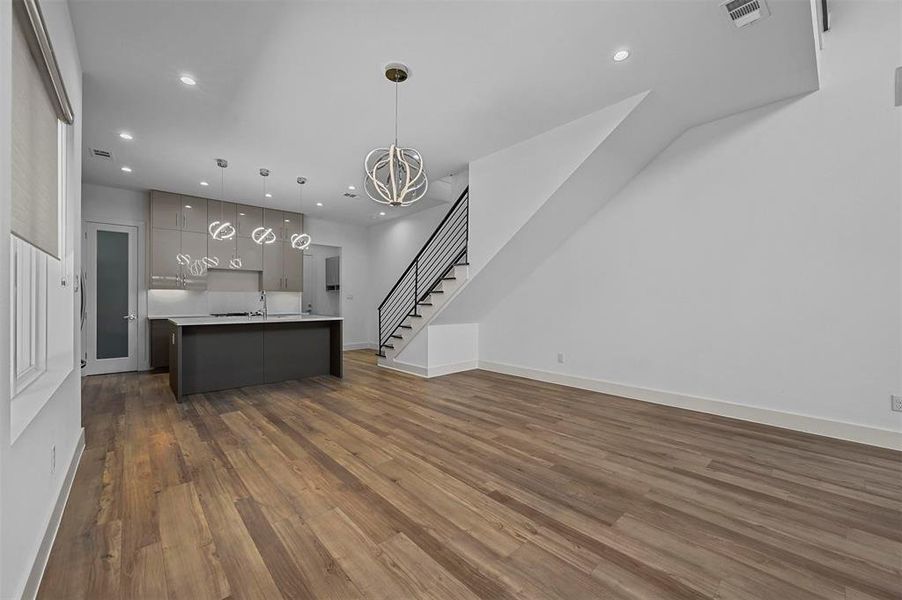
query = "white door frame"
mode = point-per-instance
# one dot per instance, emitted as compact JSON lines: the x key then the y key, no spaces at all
{"x":94,"y":365}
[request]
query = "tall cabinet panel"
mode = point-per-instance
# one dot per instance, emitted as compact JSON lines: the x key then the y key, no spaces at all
{"x":293,"y":267}
{"x":194,"y":245}
{"x":274,"y":220}
{"x":164,"y":267}
{"x":272,"y":267}
{"x":251,"y":254}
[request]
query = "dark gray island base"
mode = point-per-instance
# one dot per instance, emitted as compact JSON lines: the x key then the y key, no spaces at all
{"x":208,"y":354}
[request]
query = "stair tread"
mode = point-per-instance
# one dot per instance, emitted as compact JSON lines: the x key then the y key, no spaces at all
{"x":381,"y":354}
{"x":388,"y":346}
{"x":405,"y":326}
{"x":448,"y":278}
{"x":425,"y":303}
{"x":416,"y":316}
{"x":397,"y":337}
{"x":436,"y":292}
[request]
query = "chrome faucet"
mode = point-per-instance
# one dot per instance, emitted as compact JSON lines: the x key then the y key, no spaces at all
{"x":263,"y":299}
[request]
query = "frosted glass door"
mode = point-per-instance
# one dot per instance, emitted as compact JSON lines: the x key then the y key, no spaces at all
{"x":111,"y":288}
{"x":112,"y":294}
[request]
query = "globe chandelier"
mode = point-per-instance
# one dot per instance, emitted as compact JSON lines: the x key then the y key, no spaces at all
{"x":395,"y":176}
{"x":221,"y":229}
{"x":263,"y":235}
{"x":300,"y":241}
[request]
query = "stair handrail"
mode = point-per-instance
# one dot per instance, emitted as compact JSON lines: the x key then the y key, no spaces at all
{"x":444,"y":220}
{"x":451,"y":237}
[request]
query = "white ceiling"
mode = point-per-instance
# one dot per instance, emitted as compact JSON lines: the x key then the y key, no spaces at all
{"x":298,"y":87}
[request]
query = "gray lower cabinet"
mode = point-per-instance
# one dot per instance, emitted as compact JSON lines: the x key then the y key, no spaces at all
{"x":159,"y":343}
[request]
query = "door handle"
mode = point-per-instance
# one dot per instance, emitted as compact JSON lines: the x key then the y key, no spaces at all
{"x":130,"y":317}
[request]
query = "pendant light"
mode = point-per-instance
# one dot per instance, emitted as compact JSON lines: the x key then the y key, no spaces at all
{"x":221,"y":229}
{"x":300,"y":241}
{"x":395,"y":176}
{"x":263,"y":235}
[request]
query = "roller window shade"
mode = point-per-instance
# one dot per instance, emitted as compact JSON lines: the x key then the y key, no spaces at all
{"x":35,"y":151}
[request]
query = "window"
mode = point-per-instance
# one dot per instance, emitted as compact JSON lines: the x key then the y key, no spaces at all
{"x":29,"y":314}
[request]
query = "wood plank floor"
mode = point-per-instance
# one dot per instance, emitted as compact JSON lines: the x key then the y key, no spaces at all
{"x":473,"y":485}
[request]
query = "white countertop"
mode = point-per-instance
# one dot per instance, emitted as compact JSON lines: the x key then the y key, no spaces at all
{"x":185,"y":321}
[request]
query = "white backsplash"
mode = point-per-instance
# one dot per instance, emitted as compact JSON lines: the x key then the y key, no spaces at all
{"x":184,"y":303}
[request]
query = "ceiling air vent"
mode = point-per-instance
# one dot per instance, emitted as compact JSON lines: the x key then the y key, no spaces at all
{"x":104,"y":154}
{"x":349,"y":195}
{"x":745,"y":12}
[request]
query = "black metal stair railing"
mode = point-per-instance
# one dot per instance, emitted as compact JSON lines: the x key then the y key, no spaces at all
{"x":446,"y":247}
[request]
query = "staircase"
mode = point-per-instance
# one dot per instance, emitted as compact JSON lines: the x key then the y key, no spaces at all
{"x":436,"y":273}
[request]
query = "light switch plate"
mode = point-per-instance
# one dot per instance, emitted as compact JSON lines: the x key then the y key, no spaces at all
{"x":896,"y":403}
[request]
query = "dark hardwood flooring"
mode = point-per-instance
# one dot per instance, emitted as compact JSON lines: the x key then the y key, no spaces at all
{"x":473,"y":485}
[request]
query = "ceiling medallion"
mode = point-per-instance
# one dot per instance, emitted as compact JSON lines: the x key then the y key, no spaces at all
{"x":263,"y":235}
{"x":395,"y":176}
{"x":221,"y":229}
{"x":300,"y":241}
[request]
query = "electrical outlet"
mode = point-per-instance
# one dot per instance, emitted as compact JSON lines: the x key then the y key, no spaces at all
{"x":560,"y":357}
{"x":52,"y":459}
{"x":896,"y":403}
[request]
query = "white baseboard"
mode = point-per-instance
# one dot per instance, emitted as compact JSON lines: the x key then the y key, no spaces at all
{"x":359,"y":346}
{"x":884,"y":438}
{"x":428,"y":372}
{"x":403,"y":367}
{"x":440,"y":370}
{"x":33,"y":583}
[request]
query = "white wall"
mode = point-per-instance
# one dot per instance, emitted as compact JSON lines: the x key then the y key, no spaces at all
{"x":28,"y":490}
{"x":756,"y":261}
{"x":355,"y":275}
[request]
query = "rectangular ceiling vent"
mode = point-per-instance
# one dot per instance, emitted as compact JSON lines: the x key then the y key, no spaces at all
{"x":349,"y":195}
{"x":745,"y":12}
{"x":104,"y":154}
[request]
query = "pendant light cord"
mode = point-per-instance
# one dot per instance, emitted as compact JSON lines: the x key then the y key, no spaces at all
{"x":221,"y":193}
{"x":396,"y":112}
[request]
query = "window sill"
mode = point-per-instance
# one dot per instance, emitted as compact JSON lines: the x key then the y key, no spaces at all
{"x":29,"y":402}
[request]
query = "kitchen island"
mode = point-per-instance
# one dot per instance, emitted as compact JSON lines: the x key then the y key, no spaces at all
{"x":218,"y":353}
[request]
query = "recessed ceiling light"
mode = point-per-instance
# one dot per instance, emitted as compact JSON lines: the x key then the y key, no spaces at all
{"x":381,"y":214}
{"x":288,"y":220}
{"x":204,"y":183}
{"x":127,"y":169}
{"x":240,"y":214}
{"x":319,"y":203}
{"x":187,"y":206}
{"x":188,"y":80}
{"x":621,"y":55}
{"x":125,"y":135}
{"x":351,"y":187}
{"x":268,"y":195}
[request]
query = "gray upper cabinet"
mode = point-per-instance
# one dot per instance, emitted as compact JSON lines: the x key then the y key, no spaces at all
{"x":165,"y":210}
{"x":274,"y":220}
{"x":249,"y":218}
{"x":172,"y":211}
{"x":165,"y":245}
{"x":194,"y":246}
{"x":292,"y":267}
{"x":251,"y":254}
{"x":273,"y":277}
{"x":194,"y":214}
{"x":221,"y":211}
{"x":221,"y":252}
{"x":292,"y":223}
{"x":179,"y":226}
